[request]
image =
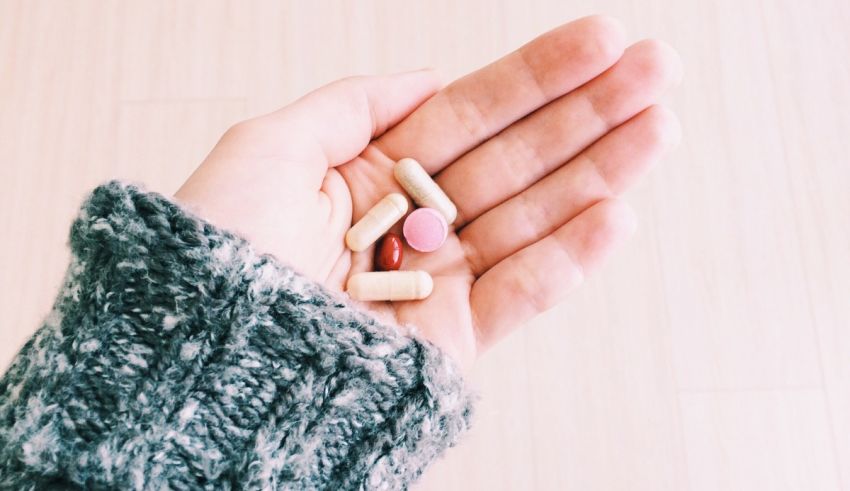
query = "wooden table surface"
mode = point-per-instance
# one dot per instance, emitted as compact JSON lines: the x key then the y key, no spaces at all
{"x":712,"y":353}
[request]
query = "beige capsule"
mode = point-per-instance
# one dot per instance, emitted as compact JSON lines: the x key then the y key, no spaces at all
{"x":390,"y":285}
{"x":424,"y":191}
{"x":376,"y":222}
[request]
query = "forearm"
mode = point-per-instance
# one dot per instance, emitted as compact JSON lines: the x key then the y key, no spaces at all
{"x":177,"y":355}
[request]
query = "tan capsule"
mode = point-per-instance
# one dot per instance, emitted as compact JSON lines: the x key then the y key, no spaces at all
{"x":376,"y":221}
{"x":424,"y":191}
{"x":390,"y":285}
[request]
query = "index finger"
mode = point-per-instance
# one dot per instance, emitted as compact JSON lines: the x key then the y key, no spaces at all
{"x":479,"y":105}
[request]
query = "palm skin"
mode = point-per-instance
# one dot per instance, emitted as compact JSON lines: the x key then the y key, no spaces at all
{"x":533,"y":149}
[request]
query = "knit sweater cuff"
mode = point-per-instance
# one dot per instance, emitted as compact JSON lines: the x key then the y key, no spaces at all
{"x":177,"y":357}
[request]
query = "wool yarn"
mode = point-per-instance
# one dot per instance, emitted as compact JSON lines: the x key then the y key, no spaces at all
{"x":176,"y":357}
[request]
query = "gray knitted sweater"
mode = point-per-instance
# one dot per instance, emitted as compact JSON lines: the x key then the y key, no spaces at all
{"x":176,"y":357}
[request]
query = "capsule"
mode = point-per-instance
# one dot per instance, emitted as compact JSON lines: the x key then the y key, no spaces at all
{"x":376,"y":221}
{"x":424,"y":191}
{"x":389,"y":254}
{"x":390,"y":285}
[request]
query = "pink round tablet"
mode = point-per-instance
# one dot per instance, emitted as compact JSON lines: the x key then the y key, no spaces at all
{"x":425,"y":229}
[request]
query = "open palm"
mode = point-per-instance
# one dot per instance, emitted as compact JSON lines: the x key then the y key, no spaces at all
{"x":533,"y":149}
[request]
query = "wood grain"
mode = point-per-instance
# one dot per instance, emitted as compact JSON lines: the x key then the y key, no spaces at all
{"x":712,"y":353}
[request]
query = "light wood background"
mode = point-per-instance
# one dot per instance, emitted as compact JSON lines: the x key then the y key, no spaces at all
{"x":713,"y":353}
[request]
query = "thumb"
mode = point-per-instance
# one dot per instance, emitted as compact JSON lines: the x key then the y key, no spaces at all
{"x":344,"y":116}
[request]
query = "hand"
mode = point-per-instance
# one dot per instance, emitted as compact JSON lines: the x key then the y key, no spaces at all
{"x":533,"y":149}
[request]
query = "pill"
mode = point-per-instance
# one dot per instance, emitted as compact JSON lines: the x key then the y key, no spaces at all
{"x":376,"y":221}
{"x":390,"y":285}
{"x":425,"y":229}
{"x":388,"y":255}
{"x":424,"y":191}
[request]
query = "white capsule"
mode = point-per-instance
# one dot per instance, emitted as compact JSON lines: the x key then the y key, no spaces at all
{"x":376,"y":222}
{"x":390,"y":285}
{"x":424,"y":191}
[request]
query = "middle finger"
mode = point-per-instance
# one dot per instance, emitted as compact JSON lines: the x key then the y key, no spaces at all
{"x":535,"y":146}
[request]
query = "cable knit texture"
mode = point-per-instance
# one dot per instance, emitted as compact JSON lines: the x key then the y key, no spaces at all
{"x":178,"y":358}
